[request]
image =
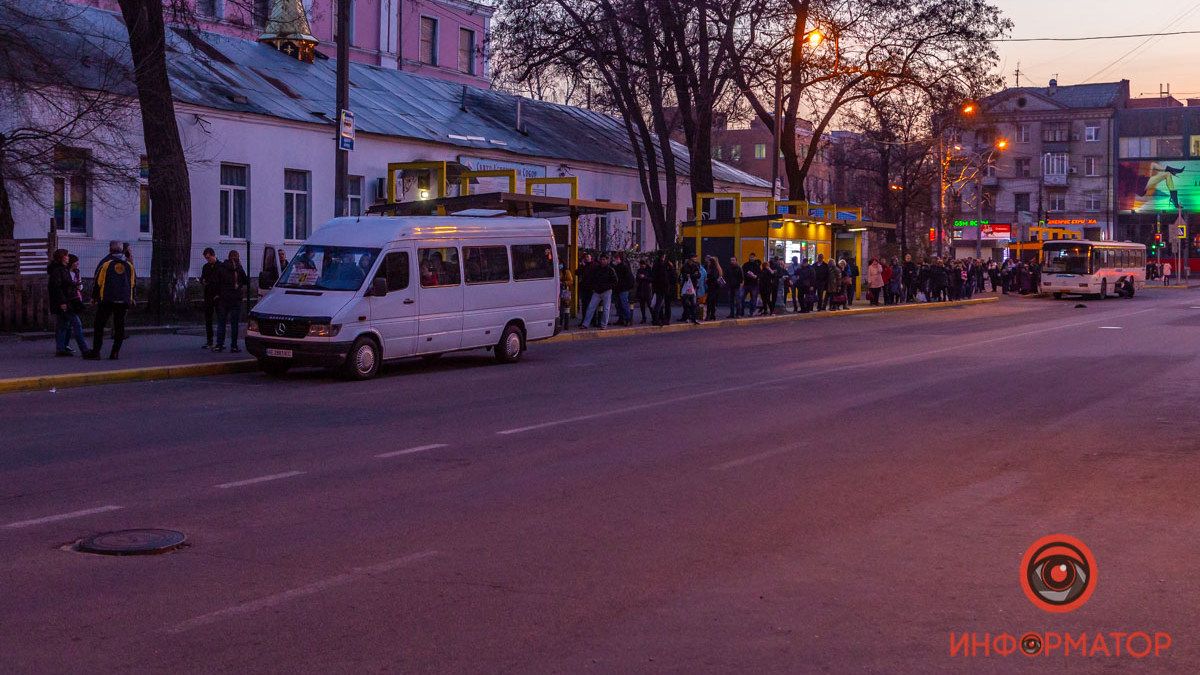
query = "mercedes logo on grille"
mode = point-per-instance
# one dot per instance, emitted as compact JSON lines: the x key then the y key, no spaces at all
{"x":281,"y":329}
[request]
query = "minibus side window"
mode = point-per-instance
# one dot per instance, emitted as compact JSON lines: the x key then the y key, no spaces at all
{"x":532,"y":261}
{"x":395,"y":269}
{"x":439,"y":267}
{"x":485,"y":264}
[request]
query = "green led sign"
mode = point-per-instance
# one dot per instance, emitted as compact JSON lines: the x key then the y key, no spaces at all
{"x":971,"y":223}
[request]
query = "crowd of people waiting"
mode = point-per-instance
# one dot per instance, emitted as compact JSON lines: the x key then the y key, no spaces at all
{"x":767,"y":287}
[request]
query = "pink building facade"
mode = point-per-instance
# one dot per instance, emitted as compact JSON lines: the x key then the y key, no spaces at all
{"x":433,"y":38}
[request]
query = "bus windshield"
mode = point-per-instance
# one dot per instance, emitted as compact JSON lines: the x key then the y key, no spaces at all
{"x":1067,"y":259}
{"x":329,"y":268}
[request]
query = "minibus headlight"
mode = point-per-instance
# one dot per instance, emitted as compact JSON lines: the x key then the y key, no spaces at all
{"x":252,"y":325}
{"x":323,"y":330}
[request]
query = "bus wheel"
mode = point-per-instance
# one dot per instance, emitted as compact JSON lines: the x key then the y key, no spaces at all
{"x":1103,"y":289}
{"x":508,"y":349}
{"x":362,"y":363}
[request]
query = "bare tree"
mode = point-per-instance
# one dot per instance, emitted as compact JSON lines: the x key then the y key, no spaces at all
{"x":64,"y":111}
{"x":618,"y":44}
{"x":832,"y":55}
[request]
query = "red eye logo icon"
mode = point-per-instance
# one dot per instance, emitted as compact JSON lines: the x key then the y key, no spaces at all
{"x":1058,"y":573}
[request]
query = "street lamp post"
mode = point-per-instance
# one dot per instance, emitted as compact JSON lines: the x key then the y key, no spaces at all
{"x":342,"y":157}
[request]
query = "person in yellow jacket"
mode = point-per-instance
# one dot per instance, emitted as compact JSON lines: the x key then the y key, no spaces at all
{"x":113,"y":294}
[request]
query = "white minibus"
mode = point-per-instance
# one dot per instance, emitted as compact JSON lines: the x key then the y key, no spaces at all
{"x":1075,"y":266}
{"x":364,"y":290}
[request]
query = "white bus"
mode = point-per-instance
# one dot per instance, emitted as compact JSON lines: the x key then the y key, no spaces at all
{"x":361,"y":291}
{"x":1092,"y":268}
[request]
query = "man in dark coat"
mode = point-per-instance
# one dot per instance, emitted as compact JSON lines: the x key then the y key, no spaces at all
{"x":750,"y":272}
{"x":821,"y":275}
{"x":733,"y":279}
{"x":660,"y":280}
{"x":113,"y":293}
{"x":62,"y":294}
{"x":208,"y":283}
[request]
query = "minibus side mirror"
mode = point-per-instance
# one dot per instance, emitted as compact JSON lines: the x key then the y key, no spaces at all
{"x":378,"y":287}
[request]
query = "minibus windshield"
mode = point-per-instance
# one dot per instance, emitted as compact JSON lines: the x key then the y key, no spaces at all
{"x":329,"y":268}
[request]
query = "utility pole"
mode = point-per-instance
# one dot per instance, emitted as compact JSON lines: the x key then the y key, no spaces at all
{"x":944,"y":162}
{"x":342,"y":157}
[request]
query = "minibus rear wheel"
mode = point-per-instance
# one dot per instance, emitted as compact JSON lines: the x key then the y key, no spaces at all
{"x":508,"y":349}
{"x":362,"y":363}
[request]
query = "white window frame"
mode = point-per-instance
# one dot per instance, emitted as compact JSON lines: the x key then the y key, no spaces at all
{"x":470,"y":64}
{"x":1054,"y":200}
{"x":1091,"y":133}
{"x":1092,"y":202}
{"x":300,"y":227}
{"x":637,"y":214}
{"x":1022,"y":133}
{"x":433,"y":41}
{"x":1056,"y":164}
{"x":144,"y":195}
{"x":1091,"y":166}
{"x":760,"y":151}
{"x":353,"y":198}
{"x":62,"y":217}
{"x":227,"y":192}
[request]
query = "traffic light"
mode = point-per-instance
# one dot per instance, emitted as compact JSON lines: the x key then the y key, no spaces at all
{"x":933,"y":234}
{"x":1158,"y":237}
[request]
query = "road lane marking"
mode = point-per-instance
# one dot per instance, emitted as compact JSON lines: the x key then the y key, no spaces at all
{"x":64,"y":516}
{"x":750,"y":459}
{"x":277,"y":599}
{"x":1112,"y":327}
{"x":260,"y":479}
{"x":409,"y":451}
{"x":608,"y":412}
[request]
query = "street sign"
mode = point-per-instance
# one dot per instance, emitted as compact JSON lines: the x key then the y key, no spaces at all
{"x":346,"y":130}
{"x":1181,"y":228}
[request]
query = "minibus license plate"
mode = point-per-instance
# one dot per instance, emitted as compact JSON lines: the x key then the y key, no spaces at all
{"x":281,"y":353}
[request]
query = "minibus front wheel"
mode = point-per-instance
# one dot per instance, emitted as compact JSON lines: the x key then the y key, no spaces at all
{"x":508,"y":349}
{"x":362,"y":363}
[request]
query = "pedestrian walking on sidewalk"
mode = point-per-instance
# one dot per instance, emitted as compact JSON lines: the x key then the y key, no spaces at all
{"x":602,"y":279}
{"x":112,"y":291}
{"x":1166,"y":273}
{"x":64,"y":300}
{"x":875,"y":281}
{"x":231,"y":287}
{"x":208,"y":287}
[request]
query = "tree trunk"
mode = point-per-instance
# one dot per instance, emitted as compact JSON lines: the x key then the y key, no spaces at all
{"x":8,"y":226}
{"x":170,"y":189}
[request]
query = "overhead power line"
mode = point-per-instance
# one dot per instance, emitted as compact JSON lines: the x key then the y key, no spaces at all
{"x":1098,"y":37}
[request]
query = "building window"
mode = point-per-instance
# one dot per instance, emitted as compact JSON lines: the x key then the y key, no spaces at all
{"x":1021,"y":201}
{"x":1091,"y":133}
{"x":1168,"y":147}
{"x":233,"y":200}
{"x":71,"y":203}
{"x":636,"y":210}
{"x":354,"y":195}
{"x":989,"y":171}
{"x":1022,"y":133}
{"x":295,"y":204}
{"x":1057,"y":201}
{"x":1055,"y":164}
{"x":466,"y":51}
{"x":1091,"y":201}
{"x":735,"y":153}
{"x":760,"y":151}
{"x":429,"y":39}
{"x":1056,"y":133}
{"x":144,"y":216}
{"x":1091,"y":166}
{"x":1022,"y":164}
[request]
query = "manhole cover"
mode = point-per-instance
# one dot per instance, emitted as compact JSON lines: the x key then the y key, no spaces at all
{"x":133,"y":542}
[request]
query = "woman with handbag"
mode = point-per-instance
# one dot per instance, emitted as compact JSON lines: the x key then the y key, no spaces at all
{"x":837,"y":286}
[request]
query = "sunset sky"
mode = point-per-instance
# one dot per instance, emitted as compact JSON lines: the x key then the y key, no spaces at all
{"x":1171,"y":59}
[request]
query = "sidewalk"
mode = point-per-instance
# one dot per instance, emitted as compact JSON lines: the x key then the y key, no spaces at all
{"x":30,"y":365}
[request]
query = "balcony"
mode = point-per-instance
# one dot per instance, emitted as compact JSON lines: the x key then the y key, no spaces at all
{"x":1054,"y":180}
{"x":991,"y":181}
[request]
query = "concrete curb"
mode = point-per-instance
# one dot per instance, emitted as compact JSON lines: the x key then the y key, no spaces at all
{"x":595,"y":334}
{"x":43,"y":382}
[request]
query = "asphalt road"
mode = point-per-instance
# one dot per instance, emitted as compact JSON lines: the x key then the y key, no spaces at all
{"x":815,"y":496}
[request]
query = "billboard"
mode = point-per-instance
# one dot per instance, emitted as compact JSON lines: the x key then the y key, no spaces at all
{"x":1157,"y":186}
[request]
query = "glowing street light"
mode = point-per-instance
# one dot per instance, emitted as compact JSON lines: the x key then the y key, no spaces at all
{"x":1002,"y":144}
{"x":969,"y":108}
